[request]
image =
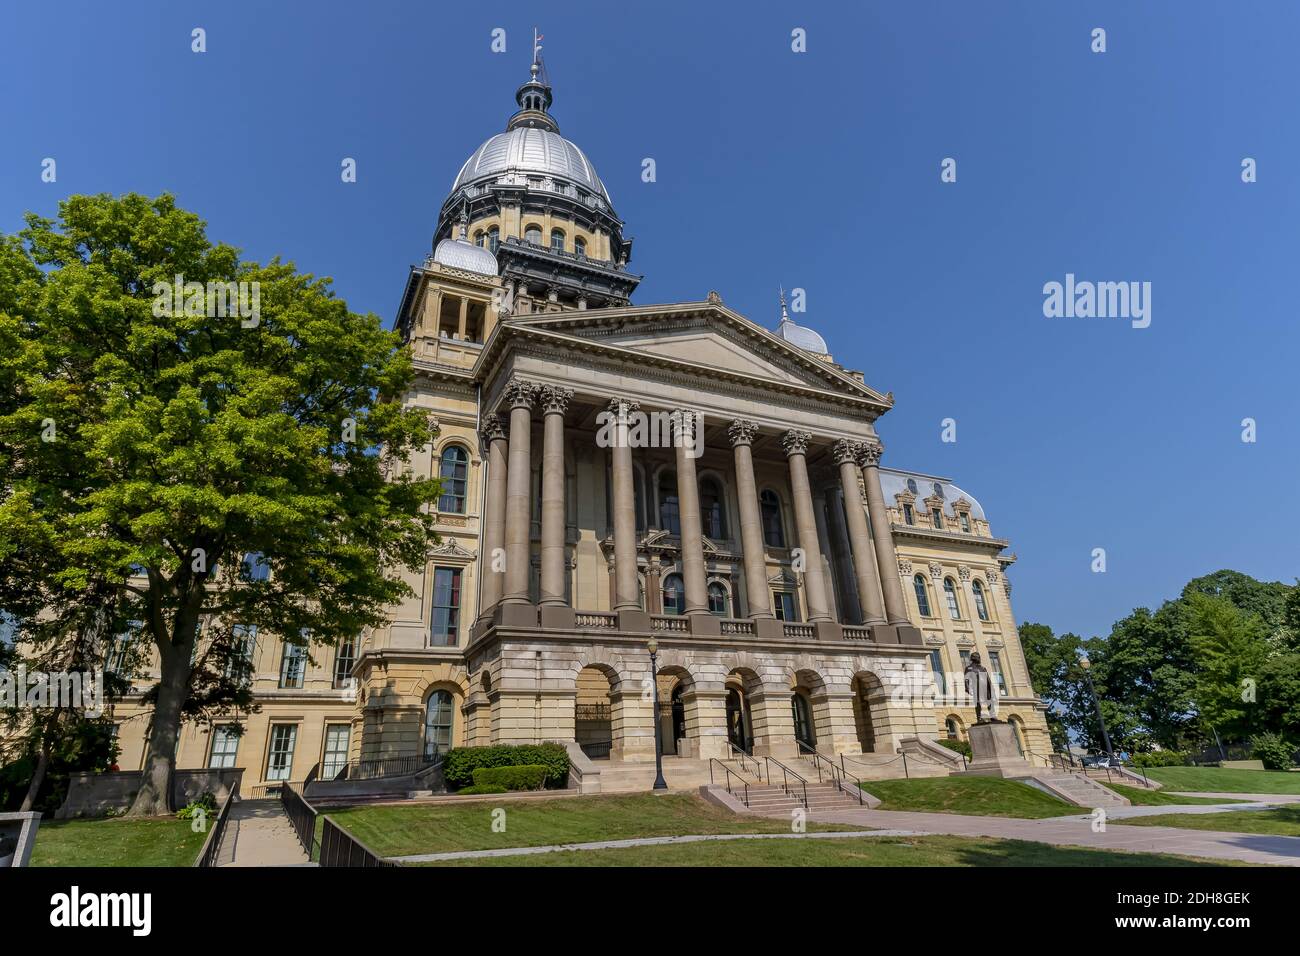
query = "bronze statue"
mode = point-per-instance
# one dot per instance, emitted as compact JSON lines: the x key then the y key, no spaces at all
{"x":979,"y":686}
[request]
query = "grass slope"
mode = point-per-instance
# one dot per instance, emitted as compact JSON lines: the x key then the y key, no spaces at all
{"x":1141,"y":797}
{"x":406,"y":830}
{"x":1280,"y":821}
{"x":159,"y":841}
{"x":855,"y":851}
{"x":1219,"y":780}
{"x":972,"y":796}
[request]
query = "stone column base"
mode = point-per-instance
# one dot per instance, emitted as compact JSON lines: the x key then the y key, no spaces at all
{"x":558,"y":617}
{"x":994,"y":752}
{"x":516,"y":615}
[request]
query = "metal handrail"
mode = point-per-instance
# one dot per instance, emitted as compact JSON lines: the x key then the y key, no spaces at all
{"x":840,"y":784}
{"x":727,"y":779}
{"x":746,"y":759}
{"x":786,"y":774}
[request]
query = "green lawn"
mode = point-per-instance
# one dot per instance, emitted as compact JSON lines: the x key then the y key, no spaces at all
{"x":1281,"y":821}
{"x":864,"y":851}
{"x":973,"y":796}
{"x":159,"y":841}
{"x":402,"y":831}
{"x":1141,"y":797}
{"x":1219,"y":780}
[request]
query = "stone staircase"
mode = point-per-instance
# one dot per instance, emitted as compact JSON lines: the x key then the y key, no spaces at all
{"x":1077,"y":788}
{"x":770,"y":800}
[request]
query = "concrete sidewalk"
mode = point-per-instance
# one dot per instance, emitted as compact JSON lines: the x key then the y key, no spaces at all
{"x":259,"y":834}
{"x":1077,"y":831}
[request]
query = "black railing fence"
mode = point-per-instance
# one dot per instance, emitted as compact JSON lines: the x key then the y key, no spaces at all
{"x":338,"y":847}
{"x":302,"y":817}
{"x":388,"y":767}
{"x":212,"y":845}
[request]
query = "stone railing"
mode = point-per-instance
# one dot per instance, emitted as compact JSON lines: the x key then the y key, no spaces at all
{"x":801,"y":632}
{"x":738,"y":627}
{"x":854,"y":632}
{"x":596,"y":619}
{"x":670,"y":622}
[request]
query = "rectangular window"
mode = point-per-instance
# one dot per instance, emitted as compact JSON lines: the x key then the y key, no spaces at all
{"x":444,"y":629}
{"x":336,"y":751}
{"x":254,"y":567}
{"x":119,"y":656}
{"x":936,"y":667}
{"x":292,"y":666}
{"x":344,"y":659}
{"x":908,"y":515}
{"x":783,"y":602}
{"x":225,"y":744}
{"x":937,"y":515}
{"x":965,"y":660}
{"x":965,"y":522}
{"x":995,"y":666}
{"x":245,"y":645}
{"x":279,"y":762}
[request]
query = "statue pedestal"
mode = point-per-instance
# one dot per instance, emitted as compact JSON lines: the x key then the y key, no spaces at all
{"x":995,"y":752}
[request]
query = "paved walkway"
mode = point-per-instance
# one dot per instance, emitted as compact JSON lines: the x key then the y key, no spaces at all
{"x":1253,"y":797}
{"x":647,"y":841}
{"x":258,"y":834}
{"x":1077,"y":831}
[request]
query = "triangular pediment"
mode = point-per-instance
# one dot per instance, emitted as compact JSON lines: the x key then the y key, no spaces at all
{"x":710,"y":337}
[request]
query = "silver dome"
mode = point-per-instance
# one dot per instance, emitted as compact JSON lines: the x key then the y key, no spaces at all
{"x":802,"y":337}
{"x":894,"y":482}
{"x":459,"y":254}
{"x":528,"y":150}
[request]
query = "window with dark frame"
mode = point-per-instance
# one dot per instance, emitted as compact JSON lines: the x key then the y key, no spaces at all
{"x":453,"y":469}
{"x":444,"y":630}
{"x":279,"y":761}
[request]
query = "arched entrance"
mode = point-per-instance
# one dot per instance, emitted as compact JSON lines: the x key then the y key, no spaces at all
{"x":678,"y":711}
{"x":740,"y":720}
{"x":593,"y":725}
{"x":804,"y":732}
{"x":868,"y":696}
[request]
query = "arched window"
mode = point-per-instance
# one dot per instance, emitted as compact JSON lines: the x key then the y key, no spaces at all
{"x":719,"y":602}
{"x":674,"y":595}
{"x":773,"y":529}
{"x":951,"y":727}
{"x":950,"y":593}
{"x":981,"y":605}
{"x":712,"y":510}
{"x":557,"y":240}
{"x":493,"y":239}
{"x":670,"y":519}
{"x":453,"y":468}
{"x":437,"y":723}
{"x":922,"y":595}
{"x":580,"y":245}
{"x":533,"y":234}
{"x":478,"y":238}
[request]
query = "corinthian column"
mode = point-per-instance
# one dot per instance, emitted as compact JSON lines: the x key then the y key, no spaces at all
{"x":519,"y":395}
{"x":555,"y":402}
{"x":742,"y":434}
{"x":627,"y":595}
{"x":688,"y":506}
{"x":495,"y":447}
{"x":795,"y":444}
{"x":886,"y":558}
{"x":864,"y":562}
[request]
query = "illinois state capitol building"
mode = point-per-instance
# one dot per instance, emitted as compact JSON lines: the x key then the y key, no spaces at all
{"x":797,"y":588}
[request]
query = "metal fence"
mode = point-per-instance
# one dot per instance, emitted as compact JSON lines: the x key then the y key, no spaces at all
{"x":208,"y":855}
{"x":302,"y":817}
{"x":338,"y":847}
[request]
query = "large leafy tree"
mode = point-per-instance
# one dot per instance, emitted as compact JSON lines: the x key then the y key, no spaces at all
{"x":1231,"y":650}
{"x":146,"y":435}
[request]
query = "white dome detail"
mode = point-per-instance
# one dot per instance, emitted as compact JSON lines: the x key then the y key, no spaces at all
{"x":528,"y":150}
{"x":459,"y":254}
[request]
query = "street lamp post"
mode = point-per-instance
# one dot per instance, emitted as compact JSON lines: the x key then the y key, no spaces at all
{"x":660,"y":783}
{"x":1105,"y":737}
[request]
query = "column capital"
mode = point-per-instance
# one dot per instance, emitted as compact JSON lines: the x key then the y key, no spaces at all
{"x":554,"y":399}
{"x":795,"y":442}
{"x":626,"y":406}
{"x":869,"y":453}
{"x":742,"y":432}
{"x":492,"y":429}
{"x":520,"y":393}
{"x":685,"y":423}
{"x":845,"y":451}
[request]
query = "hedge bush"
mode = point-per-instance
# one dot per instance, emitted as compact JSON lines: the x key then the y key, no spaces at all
{"x":1159,"y":758}
{"x":486,"y":788}
{"x":961,"y":746}
{"x":526,"y":777}
{"x":1273,"y":750}
{"x":459,"y":764}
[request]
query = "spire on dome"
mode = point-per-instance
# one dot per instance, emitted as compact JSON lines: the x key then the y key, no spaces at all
{"x":534,"y":97}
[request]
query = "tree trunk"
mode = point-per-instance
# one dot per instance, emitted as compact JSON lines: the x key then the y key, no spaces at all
{"x":38,"y":778}
{"x":155,"y":794}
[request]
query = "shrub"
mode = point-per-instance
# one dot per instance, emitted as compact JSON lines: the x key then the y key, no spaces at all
{"x":486,"y":788}
{"x":1272,"y":750}
{"x":1159,"y":758}
{"x":526,"y":777}
{"x":961,"y":746}
{"x":206,"y":803}
{"x":459,"y":764}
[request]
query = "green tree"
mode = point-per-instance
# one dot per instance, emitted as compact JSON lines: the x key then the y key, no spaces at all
{"x":1231,"y":650}
{"x":157,"y":431}
{"x":1053,"y":660}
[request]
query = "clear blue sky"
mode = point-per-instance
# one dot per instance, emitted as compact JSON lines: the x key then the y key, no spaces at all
{"x":817,"y":170}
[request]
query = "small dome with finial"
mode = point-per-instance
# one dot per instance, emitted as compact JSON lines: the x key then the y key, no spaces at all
{"x":800,"y":335}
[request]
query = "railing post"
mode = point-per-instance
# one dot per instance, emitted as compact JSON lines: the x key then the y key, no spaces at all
{"x":906,"y":774}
